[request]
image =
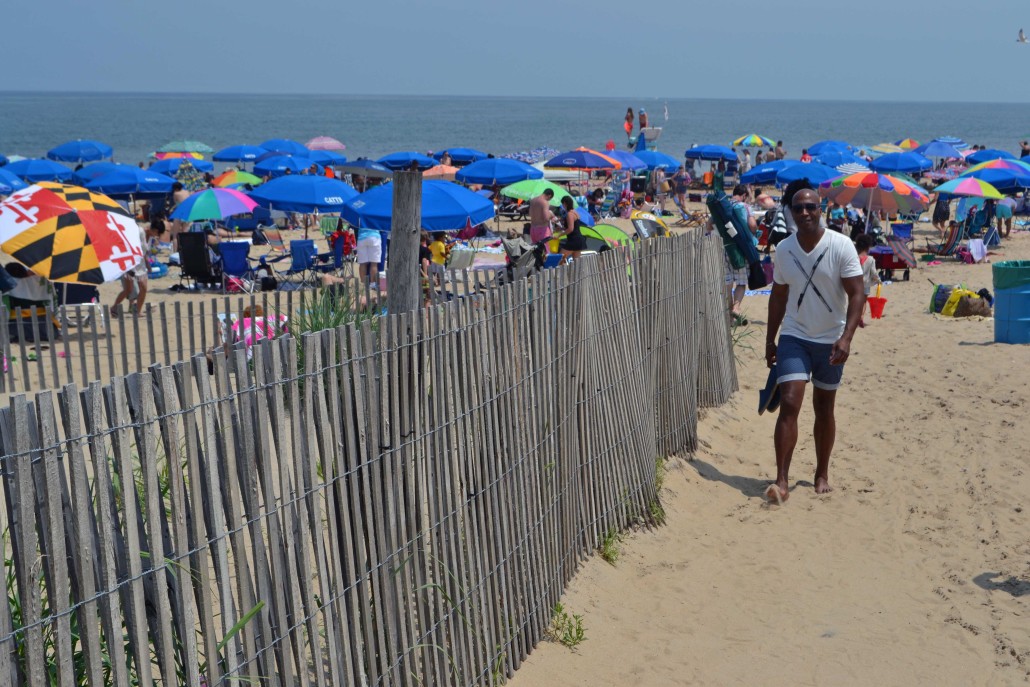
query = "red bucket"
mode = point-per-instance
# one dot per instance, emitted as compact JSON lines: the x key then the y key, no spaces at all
{"x":876,"y":306}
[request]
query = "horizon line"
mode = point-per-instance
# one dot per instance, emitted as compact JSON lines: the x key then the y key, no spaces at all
{"x":508,"y":97}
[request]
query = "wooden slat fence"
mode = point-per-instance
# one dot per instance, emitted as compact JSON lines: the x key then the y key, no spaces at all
{"x":393,"y":501}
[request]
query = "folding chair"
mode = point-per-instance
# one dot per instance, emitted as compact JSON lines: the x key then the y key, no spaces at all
{"x":236,"y":268}
{"x":336,"y":253}
{"x":80,"y":304}
{"x":195,"y":260}
{"x":946,"y":247}
{"x":302,"y":255}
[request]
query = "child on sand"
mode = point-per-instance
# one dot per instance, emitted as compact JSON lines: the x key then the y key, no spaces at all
{"x":870,"y":277}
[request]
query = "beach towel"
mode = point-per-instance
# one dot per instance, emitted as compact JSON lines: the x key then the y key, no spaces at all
{"x":977,"y":250}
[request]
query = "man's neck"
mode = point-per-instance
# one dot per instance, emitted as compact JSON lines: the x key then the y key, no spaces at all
{"x":808,"y":239}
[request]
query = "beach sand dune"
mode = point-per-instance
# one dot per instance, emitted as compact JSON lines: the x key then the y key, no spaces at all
{"x":916,"y":570}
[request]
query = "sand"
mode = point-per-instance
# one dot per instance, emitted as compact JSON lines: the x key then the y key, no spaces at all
{"x":915,"y":570}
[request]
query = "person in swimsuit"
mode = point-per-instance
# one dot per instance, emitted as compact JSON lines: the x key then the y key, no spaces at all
{"x":574,"y":242}
{"x":628,"y":126}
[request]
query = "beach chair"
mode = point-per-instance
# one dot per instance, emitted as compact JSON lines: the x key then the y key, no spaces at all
{"x":947,"y":247}
{"x":333,"y":260}
{"x":303,"y":254}
{"x":195,"y":260}
{"x":79,"y":304}
{"x":689,"y":219}
{"x":276,"y":246}
{"x":237,"y":272}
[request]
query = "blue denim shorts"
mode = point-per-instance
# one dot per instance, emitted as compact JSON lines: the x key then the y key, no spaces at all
{"x":798,"y":360}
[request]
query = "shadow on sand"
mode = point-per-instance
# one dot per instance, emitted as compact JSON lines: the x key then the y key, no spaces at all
{"x":748,"y":486}
{"x":1012,"y":585}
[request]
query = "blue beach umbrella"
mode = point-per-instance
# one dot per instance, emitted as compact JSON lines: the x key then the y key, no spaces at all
{"x":303,"y":193}
{"x":653,"y":159}
{"x":988,"y":155}
{"x":462,"y":156}
{"x":445,"y":207}
{"x":326,"y":157}
{"x":3,"y":160}
{"x":240,"y":153}
{"x":582,"y":158}
{"x":9,"y":183}
{"x":404,"y":159}
{"x":97,"y":169}
{"x":1005,"y":180}
{"x":366,"y":167}
{"x":828,"y":146}
{"x":939,"y":149}
{"x":39,"y":170}
{"x":497,"y":170}
{"x":813,"y":171}
{"x":909,"y":163}
{"x":127,"y":181}
{"x":836,"y":158}
{"x":629,"y":161}
{"x":278,"y":165}
{"x":766,"y":172}
{"x":80,"y":151}
{"x":285,"y":145}
{"x":710,"y":152}
{"x":953,"y":141}
{"x":171,"y":165}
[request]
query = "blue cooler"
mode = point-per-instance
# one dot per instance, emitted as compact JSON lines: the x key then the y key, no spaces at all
{"x":1012,"y":301}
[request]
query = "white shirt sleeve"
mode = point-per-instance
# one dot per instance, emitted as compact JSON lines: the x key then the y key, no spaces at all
{"x":848,"y":260}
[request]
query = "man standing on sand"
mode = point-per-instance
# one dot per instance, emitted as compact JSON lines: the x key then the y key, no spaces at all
{"x":540,"y":217}
{"x":817,"y":297}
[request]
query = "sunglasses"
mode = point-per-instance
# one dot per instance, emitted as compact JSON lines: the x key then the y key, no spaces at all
{"x":805,"y":207}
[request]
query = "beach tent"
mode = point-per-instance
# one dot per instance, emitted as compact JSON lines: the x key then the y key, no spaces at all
{"x":445,"y":206}
{"x":601,"y":235}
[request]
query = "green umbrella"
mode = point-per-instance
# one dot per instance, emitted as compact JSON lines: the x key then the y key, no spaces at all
{"x":531,"y":188}
{"x":185,"y":147}
{"x":609,"y":233}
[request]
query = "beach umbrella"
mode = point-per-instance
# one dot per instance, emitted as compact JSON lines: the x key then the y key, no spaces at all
{"x":80,"y":151}
{"x":240,"y":153}
{"x":851,"y":168}
{"x":1005,"y":180}
{"x":653,"y":159}
{"x":15,"y":158}
{"x":128,"y":181}
{"x":326,"y":157}
{"x":969,"y":187}
{"x":277,"y":165}
{"x":32,"y":170}
{"x":303,"y":193}
{"x":285,"y":146}
{"x":813,"y":171}
{"x":836,"y":158}
{"x":184,"y":147}
{"x":989,"y":154}
{"x":766,"y":172}
{"x":325,"y":143}
{"x":69,"y":234}
{"x":440,"y":172}
{"x":178,"y":155}
{"x":938,"y":149}
{"x":3,"y":160}
{"x":404,"y":159}
{"x":171,"y":166}
{"x":9,"y":183}
{"x":910,"y":162}
{"x":531,"y":188}
{"x":583,"y":158}
{"x":445,"y":206}
{"x":496,"y":170}
{"x":952,"y":141}
{"x":629,"y":161}
{"x":874,"y":191}
{"x":462,"y":156}
{"x":235,"y":177}
{"x":753,"y":141}
{"x":90,"y":172}
{"x":886,"y":148}
{"x":907,"y":143}
{"x":213,"y":203}
{"x":828,"y":146}
{"x":1001,"y":163}
{"x":710,"y":152}
{"x":366,"y":167}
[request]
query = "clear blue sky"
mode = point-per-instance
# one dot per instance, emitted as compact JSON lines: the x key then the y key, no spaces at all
{"x":795,"y":49}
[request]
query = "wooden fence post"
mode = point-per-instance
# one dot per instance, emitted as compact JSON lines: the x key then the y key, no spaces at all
{"x":403,"y":293}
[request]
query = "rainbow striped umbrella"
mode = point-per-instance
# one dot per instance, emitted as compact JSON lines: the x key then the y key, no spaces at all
{"x":969,"y":187}
{"x":235,"y":177}
{"x":754,"y":141}
{"x":178,"y":155}
{"x":874,"y":191}
{"x":213,"y":203}
{"x":1001,"y":163}
{"x":907,"y":143}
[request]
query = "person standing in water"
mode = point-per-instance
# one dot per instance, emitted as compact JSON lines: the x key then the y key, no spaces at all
{"x":628,"y":124}
{"x":817,"y":298}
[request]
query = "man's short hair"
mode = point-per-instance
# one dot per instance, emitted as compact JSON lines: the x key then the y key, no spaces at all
{"x":549,"y":192}
{"x":740,"y":190}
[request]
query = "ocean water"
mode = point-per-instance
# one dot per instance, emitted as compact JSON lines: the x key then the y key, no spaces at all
{"x":372,"y":126}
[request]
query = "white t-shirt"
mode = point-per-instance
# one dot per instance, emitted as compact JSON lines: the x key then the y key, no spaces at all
{"x":817,"y":305}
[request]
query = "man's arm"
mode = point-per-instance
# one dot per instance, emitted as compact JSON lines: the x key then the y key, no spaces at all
{"x":853,"y":286}
{"x":777,"y":309}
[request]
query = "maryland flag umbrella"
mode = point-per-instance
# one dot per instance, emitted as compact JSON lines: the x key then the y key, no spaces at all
{"x":68,"y":234}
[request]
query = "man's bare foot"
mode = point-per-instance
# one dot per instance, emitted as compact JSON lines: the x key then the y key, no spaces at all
{"x":822,"y":485}
{"x":774,"y":493}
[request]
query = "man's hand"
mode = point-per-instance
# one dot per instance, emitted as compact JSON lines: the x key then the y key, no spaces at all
{"x":770,"y":354}
{"x":840,"y":351}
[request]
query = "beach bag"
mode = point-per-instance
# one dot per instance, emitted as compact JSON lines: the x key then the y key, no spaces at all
{"x":756,"y":278}
{"x":939,"y":297}
{"x":953,"y":300}
{"x":972,"y":306}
